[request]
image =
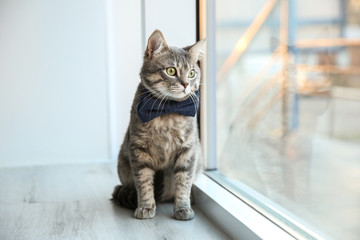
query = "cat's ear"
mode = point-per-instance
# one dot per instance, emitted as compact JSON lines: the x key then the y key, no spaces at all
{"x":197,"y":51}
{"x":156,"y":44}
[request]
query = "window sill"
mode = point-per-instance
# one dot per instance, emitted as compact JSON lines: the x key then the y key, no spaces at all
{"x":237,"y":219}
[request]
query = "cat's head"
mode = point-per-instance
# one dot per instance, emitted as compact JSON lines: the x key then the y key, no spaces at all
{"x":171,"y":72}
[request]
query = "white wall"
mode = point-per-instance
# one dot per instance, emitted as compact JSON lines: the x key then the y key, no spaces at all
{"x":52,"y":82}
{"x":175,"y":19}
{"x":68,"y":73}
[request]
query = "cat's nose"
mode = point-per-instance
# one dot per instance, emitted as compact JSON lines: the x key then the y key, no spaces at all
{"x":184,"y":84}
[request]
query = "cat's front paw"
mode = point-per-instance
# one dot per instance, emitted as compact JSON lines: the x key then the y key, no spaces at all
{"x":184,"y":214}
{"x":144,"y":213}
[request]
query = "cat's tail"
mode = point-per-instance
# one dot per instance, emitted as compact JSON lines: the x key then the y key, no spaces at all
{"x":125,"y":196}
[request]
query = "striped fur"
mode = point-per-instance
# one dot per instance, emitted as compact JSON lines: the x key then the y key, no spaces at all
{"x":160,"y":159}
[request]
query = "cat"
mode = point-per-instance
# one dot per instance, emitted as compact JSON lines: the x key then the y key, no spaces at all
{"x":160,"y":156}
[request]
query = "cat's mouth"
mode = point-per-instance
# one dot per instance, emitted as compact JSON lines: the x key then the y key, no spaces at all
{"x":187,"y":90}
{"x":181,"y":94}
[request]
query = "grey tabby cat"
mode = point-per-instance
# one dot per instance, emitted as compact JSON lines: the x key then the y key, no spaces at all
{"x":160,"y":157}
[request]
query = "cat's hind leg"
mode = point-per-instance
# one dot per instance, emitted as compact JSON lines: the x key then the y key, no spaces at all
{"x":125,"y":195}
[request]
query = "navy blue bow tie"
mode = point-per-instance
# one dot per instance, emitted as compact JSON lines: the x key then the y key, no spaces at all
{"x":150,"y":107}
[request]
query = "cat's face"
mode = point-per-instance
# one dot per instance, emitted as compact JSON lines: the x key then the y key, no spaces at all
{"x":170,"y":72}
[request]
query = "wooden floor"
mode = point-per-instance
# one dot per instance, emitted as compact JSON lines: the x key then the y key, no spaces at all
{"x":72,"y":202}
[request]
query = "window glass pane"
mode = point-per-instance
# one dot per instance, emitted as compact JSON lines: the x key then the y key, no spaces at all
{"x":288,"y":107}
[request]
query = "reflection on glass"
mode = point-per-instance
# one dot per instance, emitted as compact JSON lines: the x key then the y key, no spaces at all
{"x":288,"y":103}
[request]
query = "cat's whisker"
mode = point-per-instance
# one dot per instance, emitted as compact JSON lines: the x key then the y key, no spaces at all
{"x":145,"y":102}
{"x":169,"y":93}
{"x":194,"y":102}
{"x":192,"y":95}
{"x":152,"y":108}
{"x":148,"y":99}
{"x":141,"y":94}
{"x":147,"y":96}
{"x":163,"y":95}
{"x":166,"y":94}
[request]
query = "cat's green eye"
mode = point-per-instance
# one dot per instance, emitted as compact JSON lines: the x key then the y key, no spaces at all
{"x":171,"y":71}
{"x":192,"y":73}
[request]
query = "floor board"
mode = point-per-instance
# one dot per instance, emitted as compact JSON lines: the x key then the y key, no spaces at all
{"x":72,"y":202}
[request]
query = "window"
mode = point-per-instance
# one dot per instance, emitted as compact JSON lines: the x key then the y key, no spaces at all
{"x":285,"y":87}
